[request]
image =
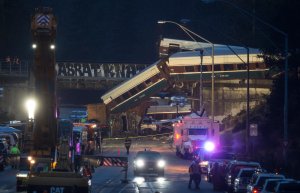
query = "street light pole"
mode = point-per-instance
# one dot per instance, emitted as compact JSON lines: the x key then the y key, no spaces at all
{"x":213,"y":85}
{"x":285,"y":112}
{"x":201,"y":81}
{"x":189,"y":32}
{"x":248,"y":106}
{"x":177,"y":110}
{"x":247,"y":133}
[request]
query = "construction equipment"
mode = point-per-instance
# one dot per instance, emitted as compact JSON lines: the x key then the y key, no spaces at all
{"x":44,"y":136}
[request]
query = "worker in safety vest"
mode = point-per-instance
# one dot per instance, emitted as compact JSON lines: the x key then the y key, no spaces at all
{"x":127,"y":144}
{"x":14,"y":153}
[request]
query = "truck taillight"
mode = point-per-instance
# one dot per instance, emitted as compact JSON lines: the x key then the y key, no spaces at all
{"x":255,"y":190}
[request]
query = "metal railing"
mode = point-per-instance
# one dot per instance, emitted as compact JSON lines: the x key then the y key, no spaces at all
{"x":12,"y":68}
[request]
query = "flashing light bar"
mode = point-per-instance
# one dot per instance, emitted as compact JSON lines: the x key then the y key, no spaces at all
{"x":209,"y":146}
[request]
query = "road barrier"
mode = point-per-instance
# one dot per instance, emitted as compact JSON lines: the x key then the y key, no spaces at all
{"x":108,"y":161}
{"x":137,"y":137}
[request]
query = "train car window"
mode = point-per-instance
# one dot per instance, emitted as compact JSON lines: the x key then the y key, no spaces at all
{"x":156,"y":77}
{"x":206,"y":68}
{"x":189,"y":69}
{"x":148,"y":81}
{"x":217,"y":67}
{"x":177,"y":69}
{"x":125,"y":95}
{"x":258,"y":66}
{"x":228,"y":67}
{"x":252,"y":66}
{"x":141,"y":86}
{"x":241,"y":67}
{"x":133,"y":91}
{"x":234,"y":66}
{"x":261,"y":65}
{"x":118,"y":100}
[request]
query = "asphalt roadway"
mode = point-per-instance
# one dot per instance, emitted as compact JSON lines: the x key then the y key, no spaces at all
{"x":110,"y":179}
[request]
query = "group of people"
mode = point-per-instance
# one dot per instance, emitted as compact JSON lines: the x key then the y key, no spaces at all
{"x":14,"y":154}
{"x":218,"y":176}
{"x":12,"y":60}
{"x":218,"y":172}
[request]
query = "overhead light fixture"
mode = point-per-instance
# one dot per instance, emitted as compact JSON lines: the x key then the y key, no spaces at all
{"x":161,"y":22}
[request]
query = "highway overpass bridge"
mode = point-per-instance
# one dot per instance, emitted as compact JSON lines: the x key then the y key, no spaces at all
{"x":78,"y":75}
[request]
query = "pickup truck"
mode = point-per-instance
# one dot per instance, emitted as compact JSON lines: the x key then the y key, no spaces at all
{"x":148,"y":127}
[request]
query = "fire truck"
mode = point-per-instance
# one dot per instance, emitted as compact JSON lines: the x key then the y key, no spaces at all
{"x":195,"y":136}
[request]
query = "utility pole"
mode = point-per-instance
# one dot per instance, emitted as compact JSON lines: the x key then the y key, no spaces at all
{"x":248,"y":106}
{"x":201,"y":81}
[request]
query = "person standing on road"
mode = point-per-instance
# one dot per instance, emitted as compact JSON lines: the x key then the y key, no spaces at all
{"x":77,"y":156}
{"x":14,"y":152}
{"x":216,"y":181}
{"x":127,"y":144}
{"x":86,"y":172}
{"x":195,"y":174}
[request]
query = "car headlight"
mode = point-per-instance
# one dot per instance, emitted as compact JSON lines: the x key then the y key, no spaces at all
{"x":229,"y":179}
{"x":236,"y":181}
{"x":22,"y":175}
{"x":204,"y":163}
{"x":140,"y":163}
{"x":161,"y":163}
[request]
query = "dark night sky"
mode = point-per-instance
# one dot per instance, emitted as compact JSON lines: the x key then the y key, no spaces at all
{"x":127,"y":30}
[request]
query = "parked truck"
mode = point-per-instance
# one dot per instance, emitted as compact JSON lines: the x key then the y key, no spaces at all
{"x":148,"y":126}
{"x":195,"y":136}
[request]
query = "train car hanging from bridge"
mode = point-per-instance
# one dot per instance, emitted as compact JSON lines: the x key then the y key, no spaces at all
{"x":185,"y":66}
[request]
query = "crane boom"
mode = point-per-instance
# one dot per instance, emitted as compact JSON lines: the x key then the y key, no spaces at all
{"x":43,"y":28}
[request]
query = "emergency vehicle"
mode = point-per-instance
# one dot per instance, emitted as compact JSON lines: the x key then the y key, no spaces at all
{"x":195,"y":136}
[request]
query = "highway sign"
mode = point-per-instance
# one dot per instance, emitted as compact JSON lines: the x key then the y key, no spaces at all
{"x":253,"y":130}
